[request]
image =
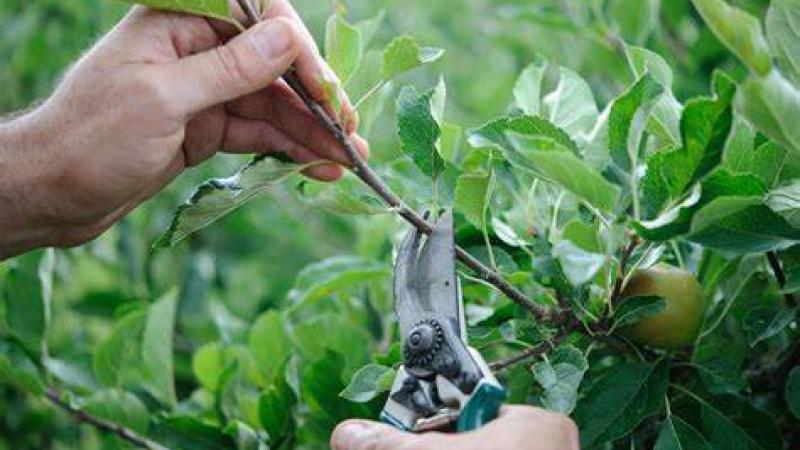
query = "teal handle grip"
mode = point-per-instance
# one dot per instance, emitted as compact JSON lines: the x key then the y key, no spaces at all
{"x":482,"y":407}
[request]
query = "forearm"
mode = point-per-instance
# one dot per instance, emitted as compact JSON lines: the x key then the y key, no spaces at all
{"x":23,"y":188}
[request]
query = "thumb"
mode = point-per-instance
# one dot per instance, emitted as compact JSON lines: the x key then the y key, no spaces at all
{"x":249,"y":62}
{"x":366,"y":435}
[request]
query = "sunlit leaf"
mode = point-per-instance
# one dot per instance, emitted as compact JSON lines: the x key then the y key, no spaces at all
{"x":418,"y":131}
{"x":783,"y":34}
{"x":772,"y":105}
{"x":218,"y":197}
{"x":404,"y":54}
{"x":560,"y":375}
{"x":343,"y":47}
{"x":739,"y":31}
{"x":472,"y":197}
{"x":369,"y":382}
{"x":211,"y":8}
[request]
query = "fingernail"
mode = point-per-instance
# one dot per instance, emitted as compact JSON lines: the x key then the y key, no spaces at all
{"x":272,"y":40}
{"x":350,"y":436}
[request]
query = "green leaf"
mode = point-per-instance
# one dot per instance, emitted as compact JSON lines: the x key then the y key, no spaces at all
{"x":120,"y":353}
{"x":27,"y":299}
{"x":17,"y":368}
{"x":762,"y":322}
{"x":495,"y":134}
{"x":579,"y":265}
{"x":786,"y":202}
{"x":404,"y":53}
{"x":208,"y":365}
{"x":733,"y":424}
{"x":560,"y":375}
{"x":210,"y":8}
{"x":770,"y":161}
{"x":666,"y":114}
{"x":548,"y":159}
{"x":369,"y":27}
{"x":119,"y":407}
{"x":156,"y":356}
{"x":705,"y":125}
{"x":571,"y":105}
{"x":276,"y":406}
{"x":621,"y":399}
{"x":216,"y":198}
{"x":739,"y":31}
{"x":270,"y":343}
{"x":676,"y":434}
{"x":677,"y":220}
{"x":348,"y":196}
{"x":741,"y":224}
{"x":634,"y":309}
{"x":772,"y":105}
{"x":783,"y":34}
{"x":792,"y":391}
{"x":627,"y":119}
{"x":189,"y":433}
{"x":528,"y":88}
{"x":326,"y":277}
{"x":322,"y":384}
{"x":473,"y":191}
{"x":369,"y":382}
{"x":419,"y":131}
{"x":343,"y":47}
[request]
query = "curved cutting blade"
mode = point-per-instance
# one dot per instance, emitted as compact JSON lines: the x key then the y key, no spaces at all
{"x":436,"y":273}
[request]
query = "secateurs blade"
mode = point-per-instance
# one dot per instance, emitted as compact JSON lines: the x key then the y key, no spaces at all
{"x":443,"y":383}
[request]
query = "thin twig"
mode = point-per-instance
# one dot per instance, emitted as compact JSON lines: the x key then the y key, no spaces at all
{"x":780,"y":275}
{"x":82,"y":416}
{"x":369,"y":177}
{"x":535,"y":351}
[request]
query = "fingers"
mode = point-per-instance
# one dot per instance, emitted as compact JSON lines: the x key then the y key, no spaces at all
{"x":312,"y":68}
{"x":245,"y":64}
{"x":517,"y":428}
{"x":248,"y":136}
{"x":366,"y":435}
{"x":524,"y":428}
{"x":282,"y":108}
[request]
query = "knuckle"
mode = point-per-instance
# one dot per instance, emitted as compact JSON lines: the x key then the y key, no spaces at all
{"x":153,"y":93}
{"x":232,"y":67}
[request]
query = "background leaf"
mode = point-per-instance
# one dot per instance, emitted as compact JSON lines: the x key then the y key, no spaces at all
{"x":739,"y":31}
{"x":620,"y":400}
{"x":369,"y":382}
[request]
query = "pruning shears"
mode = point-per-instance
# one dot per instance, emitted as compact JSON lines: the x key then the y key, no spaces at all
{"x":443,"y":383}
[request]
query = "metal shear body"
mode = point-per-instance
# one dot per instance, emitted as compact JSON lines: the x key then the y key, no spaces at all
{"x":443,"y":384}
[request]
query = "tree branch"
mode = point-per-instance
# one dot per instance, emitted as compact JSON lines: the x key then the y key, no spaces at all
{"x":537,"y":350}
{"x":780,"y":276}
{"x":82,"y":416}
{"x":371,"y":179}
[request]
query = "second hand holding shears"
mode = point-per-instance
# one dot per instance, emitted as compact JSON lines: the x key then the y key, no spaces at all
{"x":443,"y":384}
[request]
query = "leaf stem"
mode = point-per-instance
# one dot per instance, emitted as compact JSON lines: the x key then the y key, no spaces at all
{"x":82,"y":416}
{"x":375,"y":88}
{"x":368,"y":176}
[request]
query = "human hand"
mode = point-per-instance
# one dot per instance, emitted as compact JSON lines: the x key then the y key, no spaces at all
{"x":161,"y":92}
{"x":517,"y":428}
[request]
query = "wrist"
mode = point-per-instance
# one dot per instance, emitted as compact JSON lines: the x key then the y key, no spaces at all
{"x":25,"y":187}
